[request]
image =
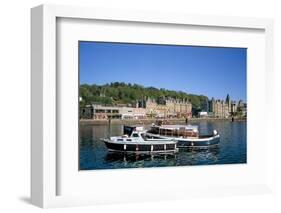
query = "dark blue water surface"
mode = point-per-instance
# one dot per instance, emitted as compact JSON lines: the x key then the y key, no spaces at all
{"x":232,"y":149}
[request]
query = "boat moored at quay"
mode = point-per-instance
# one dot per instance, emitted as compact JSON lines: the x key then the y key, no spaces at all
{"x":185,"y":135}
{"x":136,"y":140}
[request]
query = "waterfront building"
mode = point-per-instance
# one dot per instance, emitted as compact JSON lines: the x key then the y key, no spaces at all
{"x":164,"y":108}
{"x":151,"y":106}
{"x":233,"y":107}
{"x":139,"y":113}
{"x":242,"y":108}
{"x":224,"y":109}
{"x":132,"y":113}
{"x":219,"y":108}
{"x":97,"y":111}
{"x":105,"y":112}
{"x":202,"y":114}
{"x":161,"y":108}
{"x":86,"y":112}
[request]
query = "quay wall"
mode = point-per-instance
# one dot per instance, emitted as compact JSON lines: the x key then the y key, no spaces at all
{"x":148,"y":121}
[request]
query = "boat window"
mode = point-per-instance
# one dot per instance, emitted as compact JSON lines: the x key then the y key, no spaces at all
{"x":129,"y":140}
{"x":135,"y":135}
{"x":119,"y":139}
{"x":144,"y":136}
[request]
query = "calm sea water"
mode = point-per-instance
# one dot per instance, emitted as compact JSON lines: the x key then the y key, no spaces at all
{"x":232,"y":149}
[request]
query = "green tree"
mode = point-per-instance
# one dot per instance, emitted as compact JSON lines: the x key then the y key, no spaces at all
{"x":120,"y":92}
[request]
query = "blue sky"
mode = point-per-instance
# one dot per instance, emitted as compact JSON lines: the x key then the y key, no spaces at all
{"x":209,"y":71}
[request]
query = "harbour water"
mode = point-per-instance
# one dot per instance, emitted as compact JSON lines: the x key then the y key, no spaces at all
{"x":232,"y":148}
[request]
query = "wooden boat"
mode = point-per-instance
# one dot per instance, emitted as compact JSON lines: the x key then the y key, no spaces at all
{"x":185,"y":135}
{"x":136,"y":140}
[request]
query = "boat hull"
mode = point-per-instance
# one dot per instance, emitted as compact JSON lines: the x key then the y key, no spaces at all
{"x":213,"y":141}
{"x":140,"y":148}
{"x":203,"y":142}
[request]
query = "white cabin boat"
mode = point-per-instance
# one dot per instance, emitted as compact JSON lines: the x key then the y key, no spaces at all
{"x":136,"y":139}
{"x":185,"y":135}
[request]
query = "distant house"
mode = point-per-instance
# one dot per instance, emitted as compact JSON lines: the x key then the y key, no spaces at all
{"x":203,"y":114}
{"x":220,"y":108}
{"x":224,"y":109}
{"x":86,"y":112}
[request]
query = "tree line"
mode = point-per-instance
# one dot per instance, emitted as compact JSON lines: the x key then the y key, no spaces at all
{"x":127,"y":93}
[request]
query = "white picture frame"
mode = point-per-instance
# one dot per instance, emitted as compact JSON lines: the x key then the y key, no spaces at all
{"x":45,"y":168}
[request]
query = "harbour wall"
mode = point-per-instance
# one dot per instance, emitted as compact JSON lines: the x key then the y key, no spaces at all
{"x":149,"y":121}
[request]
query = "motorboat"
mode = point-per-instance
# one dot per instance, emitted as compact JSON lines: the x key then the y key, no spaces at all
{"x":185,"y":135}
{"x":135,"y":139}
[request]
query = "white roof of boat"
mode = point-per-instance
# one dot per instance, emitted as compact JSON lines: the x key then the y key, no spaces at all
{"x":172,"y":127}
{"x":139,"y":128}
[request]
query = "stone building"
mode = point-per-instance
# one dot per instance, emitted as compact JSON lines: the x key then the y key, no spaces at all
{"x":233,"y":108}
{"x":151,"y":106}
{"x":168,"y":108}
{"x":224,"y":109}
{"x":180,"y":108}
{"x":220,"y":108}
{"x":242,"y":108}
{"x":162,"y":108}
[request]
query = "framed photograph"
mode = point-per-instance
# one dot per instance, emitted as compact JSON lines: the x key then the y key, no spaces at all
{"x":130,"y":106}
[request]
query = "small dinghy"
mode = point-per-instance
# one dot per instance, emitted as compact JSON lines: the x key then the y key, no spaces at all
{"x":185,"y":135}
{"x":136,"y":140}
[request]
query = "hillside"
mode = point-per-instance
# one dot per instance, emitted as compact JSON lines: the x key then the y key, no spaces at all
{"x":122,"y":93}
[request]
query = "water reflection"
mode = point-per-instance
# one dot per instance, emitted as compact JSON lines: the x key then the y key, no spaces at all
{"x":137,"y":159}
{"x":232,"y":148}
{"x":194,"y":156}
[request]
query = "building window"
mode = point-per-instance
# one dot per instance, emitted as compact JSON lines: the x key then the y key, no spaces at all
{"x":100,"y":111}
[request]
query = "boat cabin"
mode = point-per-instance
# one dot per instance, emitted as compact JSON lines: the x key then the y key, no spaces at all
{"x":175,"y":130}
{"x":128,"y":130}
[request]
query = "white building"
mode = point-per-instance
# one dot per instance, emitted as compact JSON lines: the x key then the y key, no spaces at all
{"x":203,"y":114}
